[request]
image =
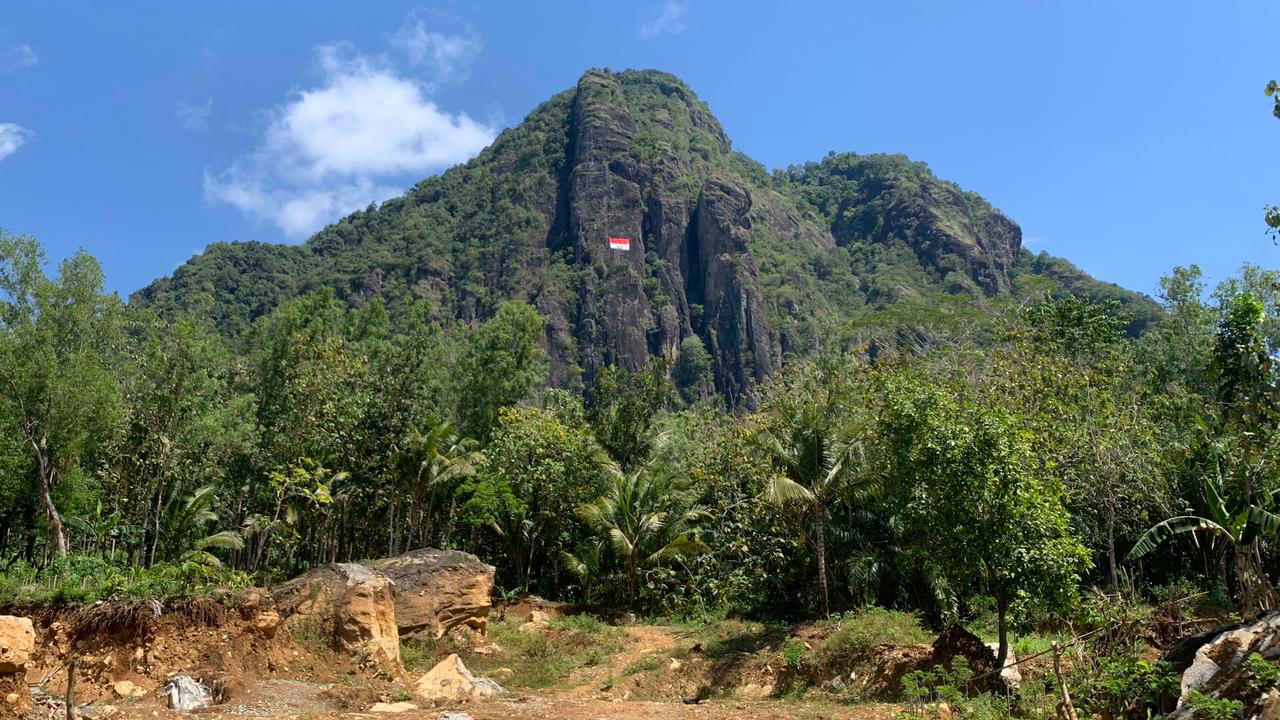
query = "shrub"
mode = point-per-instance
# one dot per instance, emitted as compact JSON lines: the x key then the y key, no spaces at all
{"x":864,"y":629}
{"x":793,"y":652}
{"x":1209,"y":707}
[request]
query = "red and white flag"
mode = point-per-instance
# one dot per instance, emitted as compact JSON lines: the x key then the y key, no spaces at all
{"x":617,"y":243}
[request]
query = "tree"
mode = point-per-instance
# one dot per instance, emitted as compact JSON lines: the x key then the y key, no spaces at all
{"x":621,"y":409}
{"x":978,"y":509}
{"x":817,"y":442}
{"x":1242,"y":495}
{"x":694,"y":372}
{"x":500,"y":365}
{"x":643,"y":519}
{"x":536,"y":470}
{"x":434,"y":461}
{"x":55,"y":375}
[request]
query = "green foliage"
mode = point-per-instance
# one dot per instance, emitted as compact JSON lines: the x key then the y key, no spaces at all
{"x":501,"y":364}
{"x":1208,"y":707}
{"x":969,"y":468}
{"x":1121,"y":683}
{"x":1262,"y":673}
{"x":858,"y":632}
{"x":793,"y":652}
{"x":86,"y":579}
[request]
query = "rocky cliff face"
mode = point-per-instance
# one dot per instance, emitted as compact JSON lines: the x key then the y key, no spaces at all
{"x":757,"y":266}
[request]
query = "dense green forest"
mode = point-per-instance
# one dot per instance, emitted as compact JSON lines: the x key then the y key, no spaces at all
{"x":1007,"y":472}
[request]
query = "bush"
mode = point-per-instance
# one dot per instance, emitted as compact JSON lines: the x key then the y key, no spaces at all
{"x":86,"y":578}
{"x":862,"y":630}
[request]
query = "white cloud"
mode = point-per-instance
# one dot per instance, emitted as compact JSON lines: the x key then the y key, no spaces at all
{"x":12,"y":137}
{"x":17,"y":57}
{"x":670,"y":20}
{"x":194,"y":116}
{"x":446,"y":57}
{"x":335,"y":148}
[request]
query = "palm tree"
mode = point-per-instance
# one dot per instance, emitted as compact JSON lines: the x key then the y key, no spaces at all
{"x":645,"y":519}
{"x":437,"y":458}
{"x":813,"y":441}
{"x":195,"y":512}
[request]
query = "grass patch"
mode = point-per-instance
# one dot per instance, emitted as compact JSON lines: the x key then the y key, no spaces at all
{"x":547,"y":657}
{"x":645,"y":664}
{"x":861,"y":630}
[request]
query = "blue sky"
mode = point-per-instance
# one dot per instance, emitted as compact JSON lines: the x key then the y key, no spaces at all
{"x":1128,"y":137}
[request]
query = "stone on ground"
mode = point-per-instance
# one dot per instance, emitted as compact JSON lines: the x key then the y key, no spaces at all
{"x":186,"y":694}
{"x":438,"y":590}
{"x":451,"y":681}
{"x":395,"y":707}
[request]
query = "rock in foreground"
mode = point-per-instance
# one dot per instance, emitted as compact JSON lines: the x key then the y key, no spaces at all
{"x":17,"y":641}
{"x":438,"y":590}
{"x":451,"y":681}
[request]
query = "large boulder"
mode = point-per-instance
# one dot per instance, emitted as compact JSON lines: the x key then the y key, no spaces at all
{"x":450,"y":681}
{"x":17,"y":642}
{"x":351,"y":606}
{"x":1219,"y":668}
{"x":438,"y":590}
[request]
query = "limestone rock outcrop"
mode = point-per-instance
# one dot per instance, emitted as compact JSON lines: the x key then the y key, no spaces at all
{"x":352,"y":607}
{"x":438,"y":590}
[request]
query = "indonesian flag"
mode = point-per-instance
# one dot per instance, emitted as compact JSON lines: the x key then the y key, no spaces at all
{"x":617,"y":243}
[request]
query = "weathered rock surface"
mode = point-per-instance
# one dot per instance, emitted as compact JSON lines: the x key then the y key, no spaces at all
{"x":438,"y":590}
{"x":451,"y":681}
{"x":186,"y":694}
{"x":17,"y":641}
{"x":352,"y":606}
{"x":1218,"y":665}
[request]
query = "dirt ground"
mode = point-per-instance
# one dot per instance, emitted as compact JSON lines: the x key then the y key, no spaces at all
{"x":280,"y":699}
{"x":315,"y":690}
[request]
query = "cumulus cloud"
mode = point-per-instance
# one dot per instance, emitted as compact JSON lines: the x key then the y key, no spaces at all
{"x":12,"y":137}
{"x":194,"y":116}
{"x":669,"y":21}
{"x":446,"y":57}
{"x":353,"y":140}
{"x":17,"y":57}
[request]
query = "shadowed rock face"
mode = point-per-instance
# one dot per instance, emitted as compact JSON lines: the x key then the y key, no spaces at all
{"x":438,"y":590}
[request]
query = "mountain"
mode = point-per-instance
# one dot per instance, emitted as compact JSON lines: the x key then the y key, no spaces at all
{"x":759,"y":266}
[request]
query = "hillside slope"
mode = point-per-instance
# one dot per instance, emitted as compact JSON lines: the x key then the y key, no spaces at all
{"x":757,"y":266}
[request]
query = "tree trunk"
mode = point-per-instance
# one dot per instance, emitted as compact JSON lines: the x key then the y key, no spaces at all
{"x":1002,"y":620}
{"x":46,"y":497}
{"x":1111,"y":548}
{"x":820,"y":545}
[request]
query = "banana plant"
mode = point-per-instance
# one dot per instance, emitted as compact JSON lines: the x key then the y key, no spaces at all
{"x":1242,"y":524}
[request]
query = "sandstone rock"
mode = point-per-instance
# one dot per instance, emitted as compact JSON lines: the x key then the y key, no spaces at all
{"x":438,"y":590}
{"x":1270,"y":706}
{"x":352,"y":606}
{"x":127,"y":689}
{"x":451,"y":681}
{"x":538,"y":620}
{"x":266,"y":622}
{"x":17,"y":642}
{"x":396,"y":707}
{"x":1010,"y":673}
